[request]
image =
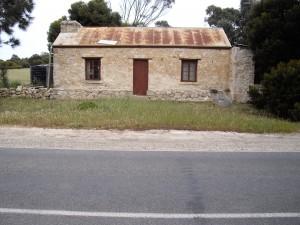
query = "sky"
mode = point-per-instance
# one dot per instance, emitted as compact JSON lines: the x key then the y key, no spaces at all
{"x":185,"y":13}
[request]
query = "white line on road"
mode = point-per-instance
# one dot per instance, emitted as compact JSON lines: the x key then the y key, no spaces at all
{"x":149,"y":215}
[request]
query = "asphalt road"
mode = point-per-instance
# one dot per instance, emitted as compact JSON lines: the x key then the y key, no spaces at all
{"x":167,"y":186}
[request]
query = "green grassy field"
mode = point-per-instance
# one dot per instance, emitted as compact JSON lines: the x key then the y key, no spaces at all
{"x":21,"y":75}
{"x":138,"y":114}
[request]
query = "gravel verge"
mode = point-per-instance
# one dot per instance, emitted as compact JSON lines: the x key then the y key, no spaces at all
{"x":151,"y":140}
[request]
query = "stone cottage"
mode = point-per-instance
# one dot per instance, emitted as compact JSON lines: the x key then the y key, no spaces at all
{"x":161,"y":63}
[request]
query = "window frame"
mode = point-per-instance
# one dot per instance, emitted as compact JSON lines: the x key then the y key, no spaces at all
{"x":88,"y":77}
{"x":189,"y":62}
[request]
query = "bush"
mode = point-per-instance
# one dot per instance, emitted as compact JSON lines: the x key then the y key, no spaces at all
{"x":3,"y":78}
{"x":257,"y":98}
{"x":14,"y":84}
{"x":280,"y":92}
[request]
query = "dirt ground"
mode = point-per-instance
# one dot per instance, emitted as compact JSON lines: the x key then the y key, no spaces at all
{"x":152,"y":140}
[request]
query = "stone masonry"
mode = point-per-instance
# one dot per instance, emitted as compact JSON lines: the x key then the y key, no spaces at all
{"x":223,"y":72}
{"x":28,"y":92}
{"x":214,"y":69}
{"x":242,"y":73}
{"x":227,"y":71}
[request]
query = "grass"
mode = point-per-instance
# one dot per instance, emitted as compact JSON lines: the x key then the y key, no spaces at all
{"x":138,"y":114}
{"x":19,"y":75}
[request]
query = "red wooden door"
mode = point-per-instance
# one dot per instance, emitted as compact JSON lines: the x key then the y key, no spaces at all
{"x":140,"y":76}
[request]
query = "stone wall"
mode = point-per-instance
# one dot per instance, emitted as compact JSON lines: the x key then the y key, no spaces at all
{"x":27,"y":92}
{"x":53,"y":93}
{"x":242,"y":73}
{"x":153,"y":95}
{"x":87,"y":94}
{"x":214,"y":68}
{"x":222,"y":74}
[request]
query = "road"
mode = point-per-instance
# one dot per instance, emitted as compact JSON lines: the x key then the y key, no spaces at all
{"x":59,"y":187}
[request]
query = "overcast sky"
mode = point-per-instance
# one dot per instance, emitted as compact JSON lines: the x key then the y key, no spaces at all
{"x":185,"y":13}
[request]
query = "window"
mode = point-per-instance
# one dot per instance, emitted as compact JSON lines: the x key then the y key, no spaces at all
{"x":189,"y":70}
{"x":92,"y":69}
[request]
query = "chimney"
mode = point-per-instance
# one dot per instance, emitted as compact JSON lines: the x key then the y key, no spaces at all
{"x":69,"y":26}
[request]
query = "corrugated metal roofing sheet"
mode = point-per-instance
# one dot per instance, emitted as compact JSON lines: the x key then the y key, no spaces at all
{"x":141,"y":36}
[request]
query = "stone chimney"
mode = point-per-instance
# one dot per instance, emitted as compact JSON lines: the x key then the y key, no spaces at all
{"x":69,"y":26}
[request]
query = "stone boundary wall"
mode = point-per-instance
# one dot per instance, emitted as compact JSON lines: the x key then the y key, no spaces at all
{"x":54,"y":93}
{"x":174,"y":95}
{"x":87,"y":94}
{"x":27,"y":92}
{"x":177,"y":95}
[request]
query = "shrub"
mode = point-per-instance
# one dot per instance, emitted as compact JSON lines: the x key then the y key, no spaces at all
{"x":3,"y":78}
{"x":4,"y":66}
{"x":87,"y":105}
{"x":257,"y":98}
{"x":280,"y":92}
{"x":14,"y":84}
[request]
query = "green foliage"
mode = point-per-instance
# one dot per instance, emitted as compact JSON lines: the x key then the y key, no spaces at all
{"x":37,"y":59}
{"x":295,"y":112}
{"x":257,"y":98}
{"x":87,"y":105}
{"x":229,"y":19}
{"x":94,"y":13}
{"x":16,"y":59}
{"x":14,"y":13}
{"x":3,"y":78}
{"x":9,"y":65}
{"x":54,"y":30}
{"x":4,"y":66}
{"x":22,"y":63}
{"x":15,"y":62}
{"x":14,"y":84}
{"x":280,"y":92}
{"x":162,"y":23}
{"x":273,"y":34}
{"x":246,"y":7}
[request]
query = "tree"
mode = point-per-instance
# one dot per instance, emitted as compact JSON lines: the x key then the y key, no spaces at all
{"x":54,"y":30}
{"x":273,"y":34}
{"x":21,"y":63}
{"x":280,"y":92}
{"x":162,"y":23}
{"x":246,"y":6}
{"x":233,"y":21}
{"x":3,"y":74}
{"x":37,"y":59}
{"x":143,"y":12}
{"x":14,"y":13}
{"x":94,"y":13}
{"x":4,"y":66}
{"x":229,"y":19}
{"x":16,"y":59}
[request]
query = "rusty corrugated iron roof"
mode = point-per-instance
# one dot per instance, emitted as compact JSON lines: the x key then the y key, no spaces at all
{"x":148,"y":37}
